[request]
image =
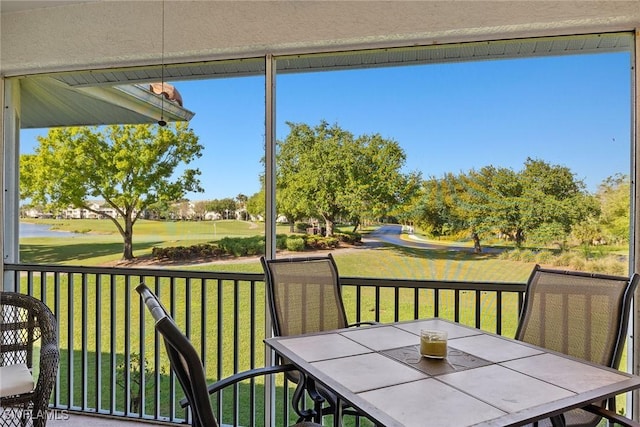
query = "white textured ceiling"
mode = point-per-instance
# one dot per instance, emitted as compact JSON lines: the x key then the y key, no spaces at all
{"x":95,"y":46}
{"x":371,"y":58}
{"x":20,"y":5}
{"x":115,"y":34}
{"x":98,"y":97}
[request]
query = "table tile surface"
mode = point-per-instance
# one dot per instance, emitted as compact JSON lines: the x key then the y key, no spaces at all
{"x":485,"y":379}
{"x":325,"y":346}
{"x":493,"y":348}
{"x":453,"y":330}
{"x":367,"y":371}
{"x":429,"y":403}
{"x":382,"y":337}
{"x":566,"y":373}
{"x":504,"y":388}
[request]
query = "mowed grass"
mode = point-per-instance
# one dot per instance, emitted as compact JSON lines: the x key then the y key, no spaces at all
{"x":103,"y":245}
{"x":98,"y":242}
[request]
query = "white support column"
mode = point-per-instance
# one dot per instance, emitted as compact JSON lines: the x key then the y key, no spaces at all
{"x":2,"y":118}
{"x":270,"y":156}
{"x":633,"y":359}
{"x":270,"y":219}
{"x":10,"y":215}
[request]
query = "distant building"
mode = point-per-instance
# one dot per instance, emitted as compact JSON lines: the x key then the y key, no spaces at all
{"x":99,"y":210}
{"x":212,"y":216}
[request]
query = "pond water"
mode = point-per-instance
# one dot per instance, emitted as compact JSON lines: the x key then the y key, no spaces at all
{"x":41,"y":230}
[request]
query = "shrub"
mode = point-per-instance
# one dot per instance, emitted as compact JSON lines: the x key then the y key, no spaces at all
{"x":527,"y":255}
{"x":301,"y":227}
{"x":186,"y":252}
{"x":331,"y":242}
{"x":315,"y":241}
{"x":295,"y":244}
{"x":544,"y":257}
{"x":616,"y":267}
{"x":242,"y":246}
{"x":580,"y":264}
{"x":312,"y":241}
{"x":514,"y":255}
{"x":232,"y":246}
{"x":281,"y":241}
{"x":564,"y":259}
{"x":349,"y":237}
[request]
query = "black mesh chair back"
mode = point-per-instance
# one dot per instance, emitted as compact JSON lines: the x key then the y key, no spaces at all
{"x":26,"y":323}
{"x":304,"y":295}
{"x":184,"y":360}
{"x":187,"y":366}
{"x":580,"y":314}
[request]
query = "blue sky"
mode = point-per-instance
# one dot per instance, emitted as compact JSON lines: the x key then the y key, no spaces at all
{"x":568,"y":110}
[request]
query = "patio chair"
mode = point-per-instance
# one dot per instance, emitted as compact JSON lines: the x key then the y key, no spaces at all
{"x":28,"y":340}
{"x":187,"y":366}
{"x":305,"y":297}
{"x":583,"y":315}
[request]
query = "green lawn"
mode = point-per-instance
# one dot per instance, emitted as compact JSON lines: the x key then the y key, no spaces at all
{"x":103,"y":245}
{"x":99,"y":241}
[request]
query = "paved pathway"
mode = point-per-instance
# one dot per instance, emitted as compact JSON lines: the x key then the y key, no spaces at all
{"x":392,"y":234}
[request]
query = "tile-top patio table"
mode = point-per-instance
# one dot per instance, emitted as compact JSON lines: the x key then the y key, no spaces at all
{"x":486,"y":379}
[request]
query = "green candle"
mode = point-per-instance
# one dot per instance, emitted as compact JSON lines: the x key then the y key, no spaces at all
{"x":436,"y":349}
{"x":433,"y":344}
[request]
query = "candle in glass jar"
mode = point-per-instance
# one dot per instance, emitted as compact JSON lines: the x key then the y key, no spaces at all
{"x":433,"y":344}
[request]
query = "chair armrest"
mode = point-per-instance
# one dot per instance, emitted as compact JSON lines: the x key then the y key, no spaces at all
{"x":358,"y":324}
{"x":611,"y":416}
{"x":241,"y":376}
{"x":49,"y":357}
{"x":48,"y":365}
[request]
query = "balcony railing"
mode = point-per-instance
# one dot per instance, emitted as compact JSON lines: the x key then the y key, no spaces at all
{"x":112,"y":362}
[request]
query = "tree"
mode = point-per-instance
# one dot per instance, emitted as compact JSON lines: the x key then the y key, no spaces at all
{"x":375,"y":185}
{"x":182,"y":209}
{"x":310,"y":171}
{"x":553,"y":200}
{"x":241,"y":200}
{"x":435,"y":209}
{"x":615,"y":201}
{"x":200,"y":209}
{"x":241,"y":206}
{"x":130,"y":167}
{"x":542,"y":202}
{"x":491,"y":201}
{"x":256,"y":204}
{"x":325,"y":172}
{"x":225,"y":207}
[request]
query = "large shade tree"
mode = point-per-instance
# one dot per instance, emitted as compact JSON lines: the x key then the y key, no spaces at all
{"x":129,"y":167}
{"x":375,"y":186}
{"x":325,"y":172}
{"x":542,"y":202}
{"x":491,"y":200}
{"x":554,"y":201}
{"x":436,"y":209}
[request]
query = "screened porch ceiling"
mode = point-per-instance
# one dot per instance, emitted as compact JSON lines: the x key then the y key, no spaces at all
{"x":121,"y":95}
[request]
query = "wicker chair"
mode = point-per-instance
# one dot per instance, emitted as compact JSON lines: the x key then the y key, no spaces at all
{"x":27,"y":335}
{"x":583,"y":315}
{"x":305,"y":297}
{"x":187,"y":366}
